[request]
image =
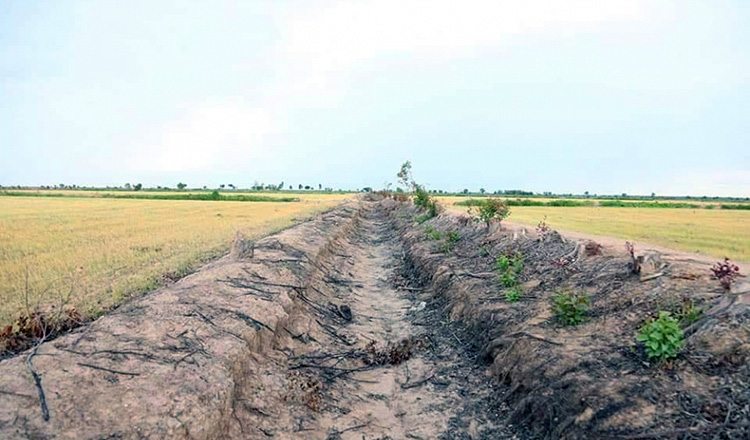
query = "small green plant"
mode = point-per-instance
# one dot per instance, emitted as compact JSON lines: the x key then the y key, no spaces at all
{"x":484,"y":251}
{"x":445,"y":247}
{"x":662,"y":337}
{"x":502,"y":263}
{"x":510,"y":269}
{"x":453,"y":237}
{"x":508,"y":279}
{"x":513,"y":295}
{"x":570,"y":308}
{"x":432,"y":233}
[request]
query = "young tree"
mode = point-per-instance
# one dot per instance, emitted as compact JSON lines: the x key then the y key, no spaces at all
{"x":404,"y":175}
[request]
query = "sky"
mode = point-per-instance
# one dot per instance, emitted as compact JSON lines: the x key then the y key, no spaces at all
{"x":600,"y":96}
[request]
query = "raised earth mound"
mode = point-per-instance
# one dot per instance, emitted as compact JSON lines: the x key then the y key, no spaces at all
{"x":365,"y":324}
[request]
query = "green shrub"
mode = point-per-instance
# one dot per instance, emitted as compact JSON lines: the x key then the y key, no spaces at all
{"x":663,"y":338}
{"x":513,"y":295}
{"x":570,"y":308}
{"x":445,"y":248}
{"x":491,"y":209}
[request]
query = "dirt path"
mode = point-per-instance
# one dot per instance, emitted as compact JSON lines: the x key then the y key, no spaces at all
{"x":429,"y":385}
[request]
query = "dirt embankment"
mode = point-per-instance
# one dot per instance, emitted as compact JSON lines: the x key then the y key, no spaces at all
{"x":591,"y":380}
{"x":358,"y":325}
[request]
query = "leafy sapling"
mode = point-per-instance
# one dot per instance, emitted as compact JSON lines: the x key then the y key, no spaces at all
{"x":570,"y":308}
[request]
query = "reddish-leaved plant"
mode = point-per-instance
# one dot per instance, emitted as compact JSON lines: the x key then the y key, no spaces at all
{"x":726,"y":273}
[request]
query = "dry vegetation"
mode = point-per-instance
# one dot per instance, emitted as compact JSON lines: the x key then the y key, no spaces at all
{"x":108,"y":250}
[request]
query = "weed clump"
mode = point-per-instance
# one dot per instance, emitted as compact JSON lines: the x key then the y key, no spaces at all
{"x":432,"y":233}
{"x":570,"y":308}
{"x":453,"y":237}
{"x":513,"y":295}
{"x":509,"y":269}
{"x":662,"y":337}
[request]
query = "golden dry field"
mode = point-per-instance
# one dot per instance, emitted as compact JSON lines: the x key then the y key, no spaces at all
{"x":717,"y":232}
{"x":108,"y":250}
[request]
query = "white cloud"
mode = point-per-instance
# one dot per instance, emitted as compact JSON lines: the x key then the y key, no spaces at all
{"x":323,"y":42}
{"x":227,"y":137}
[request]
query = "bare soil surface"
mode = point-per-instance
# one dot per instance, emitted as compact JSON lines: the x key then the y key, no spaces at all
{"x":359,"y":325}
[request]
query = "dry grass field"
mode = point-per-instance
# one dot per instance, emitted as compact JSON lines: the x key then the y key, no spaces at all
{"x":718,"y":232}
{"x":104,"y":251}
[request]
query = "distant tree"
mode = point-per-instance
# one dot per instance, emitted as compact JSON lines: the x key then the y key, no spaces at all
{"x":481,"y":190}
{"x":127,"y":186}
{"x":222,"y":186}
{"x":181,"y":186}
{"x":624,"y":194}
{"x":231,"y":185}
{"x":320,"y":186}
{"x":367,"y":189}
{"x":300,"y":186}
{"x":137,"y":186}
{"x":307,"y":187}
{"x":205,"y":187}
{"x":281,"y":186}
{"x":290,"y":187}
{"x":653,"y":195}
{"x":586,"y":193}
{"x":465,"y":191}
{"x":62,"y":185}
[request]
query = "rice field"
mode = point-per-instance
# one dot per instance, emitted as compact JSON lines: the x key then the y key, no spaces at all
{"x":103,"y":251}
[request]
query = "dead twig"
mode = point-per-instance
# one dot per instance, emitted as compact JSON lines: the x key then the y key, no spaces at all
{"x":406,"y":386}
{"x":96,"y":367}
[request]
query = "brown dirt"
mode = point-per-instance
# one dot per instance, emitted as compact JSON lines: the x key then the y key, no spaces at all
{"x":355,"y":325}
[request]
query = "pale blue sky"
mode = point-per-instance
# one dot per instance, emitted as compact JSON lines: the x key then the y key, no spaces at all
{"x":609,"y":97}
